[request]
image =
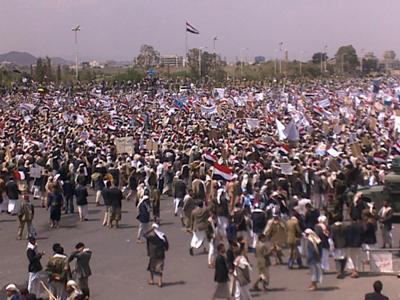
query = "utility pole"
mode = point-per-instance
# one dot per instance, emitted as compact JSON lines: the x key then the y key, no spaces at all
{"x":361,"y":61}
{"x":280,"y":57}
{"x":75,"y":30}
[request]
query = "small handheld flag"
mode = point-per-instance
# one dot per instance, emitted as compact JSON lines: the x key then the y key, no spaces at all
{"x":191,"y":29}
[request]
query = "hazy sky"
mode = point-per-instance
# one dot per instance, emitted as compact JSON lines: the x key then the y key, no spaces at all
{"x":115,"y":29}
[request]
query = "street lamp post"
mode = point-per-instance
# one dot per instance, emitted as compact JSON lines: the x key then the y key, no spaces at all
{"x":280,"y":57}
{"x":361,"y":61}
{"x":201,"y":48}
{"x":75,"y":30}
{"x":301,"y":63}
{"x":325,"y":57}
{"x":215,"y":39}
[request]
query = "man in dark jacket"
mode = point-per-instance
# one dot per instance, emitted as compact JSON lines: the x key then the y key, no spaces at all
{"x":157,"y":244}
{"x":82,"y":270}
{"x":81,"y":195}
{"x":353,"y":242}
{"x":339,"y":240}
{"x":143,"y":217}
{"x":115,"y":205}
{"x":221,"y":275}
{"x":179,"y":192}
{"x":377,"y":294}
{"x":34,"y":257}
{"x":12,"y":195}
{"x":68,"y":191}
{"x":311,"y":217}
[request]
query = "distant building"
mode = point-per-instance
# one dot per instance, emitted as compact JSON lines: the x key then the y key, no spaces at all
{"x":259,"y":59}
{"x":171,"y":61}
{"x":389,"y":61}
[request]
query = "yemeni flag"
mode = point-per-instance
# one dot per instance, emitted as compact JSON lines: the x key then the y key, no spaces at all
{"x":396,"y":148}
{"x":210,"y":158}
{"x":191,"y":29}
{"x":379,"y":158}
{"x":221,"y":172}
{"x":18,"y":175}
{"x":111,"y":126}
{"x":284,"y":150}
{"x":260,"y":146}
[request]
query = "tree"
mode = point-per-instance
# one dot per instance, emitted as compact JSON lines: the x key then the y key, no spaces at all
{"x":148,"y":57}
{"x":346,"y":59}
{"x":370,"y":63}
{"x":59,"y":74}
{"x":316,"y":58}
{"x":211,"y":64}
{"x":49,"y":72}
{"x":40,"y":71}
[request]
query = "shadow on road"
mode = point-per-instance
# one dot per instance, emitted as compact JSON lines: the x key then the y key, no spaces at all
{"x":167,"y":223}
{"x":327,"y":289}
{"x":127,"y":226}
{"x":180,"y":282}
{"x":277,"y":289}
{"x":8,"y":221}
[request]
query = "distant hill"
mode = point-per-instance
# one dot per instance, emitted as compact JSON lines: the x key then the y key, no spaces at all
{"x":27,"y":59}
{"x":59,"y":61}
{"x":18,"y":58}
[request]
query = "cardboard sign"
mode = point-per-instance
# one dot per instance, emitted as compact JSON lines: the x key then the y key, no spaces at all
{"x":36,"y":172}
{"x":124,"y":145}
{"x":286,"y":168}
{"x":333,"y":165}
{"x":372,"y":123}
{"x":356,"y":150}
{"x":213,"y":134}
{"x":240,"y":114}
{"x":381,"y":262}
{"x":152,"y":146}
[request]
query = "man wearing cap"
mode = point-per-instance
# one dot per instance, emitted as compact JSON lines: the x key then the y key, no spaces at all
{"x":34,"y":257}
{"x":12,"y":292}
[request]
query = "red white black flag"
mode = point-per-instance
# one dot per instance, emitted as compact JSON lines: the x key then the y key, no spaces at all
{"x":191,"y":29}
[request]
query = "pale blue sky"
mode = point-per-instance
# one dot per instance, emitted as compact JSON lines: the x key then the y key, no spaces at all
{"x":115,"y":29}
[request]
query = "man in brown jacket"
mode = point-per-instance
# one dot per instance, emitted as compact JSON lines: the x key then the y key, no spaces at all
{"x":276,"y":232}
{"x":25,"y":216}
{"x":198,"y":226}
{"x":293,"y":241}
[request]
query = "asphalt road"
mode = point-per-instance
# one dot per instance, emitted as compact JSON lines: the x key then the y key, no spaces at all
{"x":119,"y":263}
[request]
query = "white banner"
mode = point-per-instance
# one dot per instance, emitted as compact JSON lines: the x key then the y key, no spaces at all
{"x":124,"y":145}
{"x":381,"y":262}
{"x":286,"y":168}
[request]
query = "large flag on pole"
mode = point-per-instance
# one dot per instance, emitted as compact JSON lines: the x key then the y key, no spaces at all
{"x":191,"y":29}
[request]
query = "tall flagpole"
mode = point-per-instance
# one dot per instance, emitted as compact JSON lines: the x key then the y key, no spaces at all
{"x":186,"y":44}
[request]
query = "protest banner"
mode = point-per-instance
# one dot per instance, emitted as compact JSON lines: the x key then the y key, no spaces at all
{"x":356,"y":150}
{"x":151,"y":145}
{"x":381,"y":262}
{"x":36,"y":172}
{"x":124,"y":145}
{"x":286,"y":168}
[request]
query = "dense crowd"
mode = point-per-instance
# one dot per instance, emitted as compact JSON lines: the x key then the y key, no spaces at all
{"x":250,"y":168}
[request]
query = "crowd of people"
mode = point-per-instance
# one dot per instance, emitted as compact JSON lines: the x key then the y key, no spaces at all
{"x":249,"y":168}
